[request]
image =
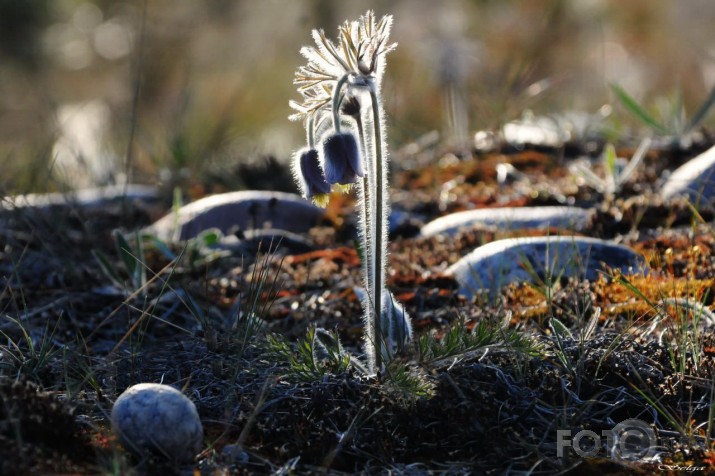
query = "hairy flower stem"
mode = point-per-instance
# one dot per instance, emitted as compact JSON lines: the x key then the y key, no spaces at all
{"x":372,"y":195}
{"x":311,"y":132}
{"x":365,"y":205}
{"x":336,"y":101}
{"x":378,"y":221}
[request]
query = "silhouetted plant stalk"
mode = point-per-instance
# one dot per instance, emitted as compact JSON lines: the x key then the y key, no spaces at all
{"x":341,"y":86}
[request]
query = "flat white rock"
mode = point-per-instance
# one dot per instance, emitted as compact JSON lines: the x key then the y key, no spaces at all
{"x":244,"y":210}
{"x":495,"y":265}
{"x":694,"y":180}
{"x":510,"y":218}
{"x":534,"y":130}
{"x":151,"y":418}
{"x":86,"y":197}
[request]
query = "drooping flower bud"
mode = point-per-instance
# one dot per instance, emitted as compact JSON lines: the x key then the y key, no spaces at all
{"x":350,"y":107}
{"x":310,"y":178}
{"x":341,"y":159}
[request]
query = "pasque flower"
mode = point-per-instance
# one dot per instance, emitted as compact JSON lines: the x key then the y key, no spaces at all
{"x":341,"y":86}
{"x":309,"y":175}
{"x":341,"y":159}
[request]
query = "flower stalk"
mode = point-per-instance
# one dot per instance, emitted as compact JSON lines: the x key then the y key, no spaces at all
{"x":338,"y":78}
{"x":379,"y":223}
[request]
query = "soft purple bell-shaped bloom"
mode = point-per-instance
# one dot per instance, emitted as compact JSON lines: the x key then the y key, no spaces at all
{"x":310,"y":176}
{"x":341,"y":159}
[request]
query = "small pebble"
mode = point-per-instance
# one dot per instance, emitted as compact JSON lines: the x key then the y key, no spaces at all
{"x":156,"y":419}
{"x":234,"y":454}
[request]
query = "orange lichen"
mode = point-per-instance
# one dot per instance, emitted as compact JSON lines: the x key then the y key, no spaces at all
{"x":630,"y":296}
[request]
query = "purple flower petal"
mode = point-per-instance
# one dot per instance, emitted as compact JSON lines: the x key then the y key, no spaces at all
{"x":313,"y":178}
{"x":341,"y":159}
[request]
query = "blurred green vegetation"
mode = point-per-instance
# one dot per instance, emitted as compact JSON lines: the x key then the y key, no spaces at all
{"x":192,"y":93}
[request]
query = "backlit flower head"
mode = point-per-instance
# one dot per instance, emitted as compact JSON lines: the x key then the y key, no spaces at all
{"x":310,"y":177}
{"x":359,"y":50}
{"x":340,"y":86}
{"x":341,"y":159}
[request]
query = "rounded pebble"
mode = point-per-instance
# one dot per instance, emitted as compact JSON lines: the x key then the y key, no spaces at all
{"x":156,"y":419}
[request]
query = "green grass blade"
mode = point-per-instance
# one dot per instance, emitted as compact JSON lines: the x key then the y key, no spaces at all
{"x":125,"y":252}
{"x":140,"y":261}
{"x":702,"y":111}
{"x":560,"y":330}
{"x":163,"y":248}
{"x":609,"y":154}
{"x":132,"y":259}
{"x":661,"y":409}
{"x":107,"y":267}
{"x":635,"y":161}
{"x":636,"y":109}
{"x":637,"y":292}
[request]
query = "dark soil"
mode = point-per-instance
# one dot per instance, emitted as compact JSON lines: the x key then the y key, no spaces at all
{"x":73,"y":339}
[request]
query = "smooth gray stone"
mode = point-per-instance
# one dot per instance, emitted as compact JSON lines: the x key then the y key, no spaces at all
{"x":88,"y":198}
{"x":511,"y":218}
{"x":694,"y":180}
{"x":495,"y":265}
{"x":151,"y":418}
{"x":244,"y":210}
{"x":253,"y":241}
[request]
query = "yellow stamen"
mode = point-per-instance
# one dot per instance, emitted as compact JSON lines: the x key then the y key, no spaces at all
{"x":321,"y":199}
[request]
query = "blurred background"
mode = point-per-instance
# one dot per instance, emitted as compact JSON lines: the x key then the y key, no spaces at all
{"x":195,"y":93}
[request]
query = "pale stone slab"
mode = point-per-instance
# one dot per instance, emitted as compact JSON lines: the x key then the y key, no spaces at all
{"x":694,"y":180}
{"x":88,"y":197}
{"x":495,"y":265}
{"x":511,"y":218}
{"x":244,"y":210}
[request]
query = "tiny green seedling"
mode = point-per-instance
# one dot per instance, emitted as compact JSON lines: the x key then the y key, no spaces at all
{"x":616,"y":174}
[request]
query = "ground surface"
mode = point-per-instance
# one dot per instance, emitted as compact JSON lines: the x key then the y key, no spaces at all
{"x":486,"y":389}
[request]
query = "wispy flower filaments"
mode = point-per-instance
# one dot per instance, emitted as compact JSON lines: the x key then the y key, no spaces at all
{"x":359,"y":52}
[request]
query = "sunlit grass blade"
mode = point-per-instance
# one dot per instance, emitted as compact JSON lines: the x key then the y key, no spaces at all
{"x":661,"y":409}
{"x":636,"y":109}
{"x":559,"y":329}
{"x":107,"y":266}
{"x":610,"y":158}
{"x":133,"y":259}
{"x":703,"y":111}
{"x":637,"y":292}
{"x":635,"y":161}
{"x":162,"y":247}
